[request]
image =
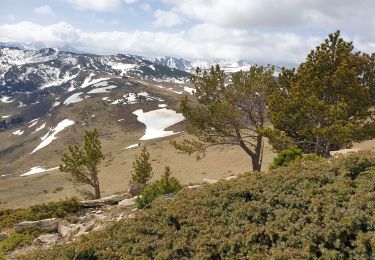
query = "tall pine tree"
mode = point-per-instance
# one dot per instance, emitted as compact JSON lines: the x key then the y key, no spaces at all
{"x":327,"y":103}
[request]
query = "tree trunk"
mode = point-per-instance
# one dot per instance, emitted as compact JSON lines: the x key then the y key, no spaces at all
{"x":96,"y":183}
{"x":97,"y":190}
{"x":256,"y":155}
{"x":256,"y":163}
{"x":256,"y":158}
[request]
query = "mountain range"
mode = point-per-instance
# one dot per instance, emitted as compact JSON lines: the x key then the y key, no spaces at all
{"x":49,"y":97}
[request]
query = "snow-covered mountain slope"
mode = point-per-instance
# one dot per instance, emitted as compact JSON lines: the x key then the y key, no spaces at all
{"x":191,"y":65}
{"x":51,"y":71}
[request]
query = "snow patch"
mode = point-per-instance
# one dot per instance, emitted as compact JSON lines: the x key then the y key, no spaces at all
{"x":162,"y":105}
{"x":73,"y":98}
{"x":189,"y":90}
{"x":123,"y":67}
{"x":18,"y":132}
{"x":38,"y":169}
{"x":33,"y":122}
{"x":101,"y":90}
{"x":89,"y":81}
{"x":6,"y":99}
{"x":48,"y":138}
{"x":156,"y":121}
{"x":134,"y":98}
{"x":132,"y":146}
{"x":40,"y":128}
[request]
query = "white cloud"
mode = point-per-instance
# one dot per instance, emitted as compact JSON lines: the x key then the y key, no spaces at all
{"x":166,"y":19}
{"x":97,"y":5}
{"x":58,"y":34}
{"x":250,"y":14}
{"x":44,"y":10}
{"x":202,"y":41}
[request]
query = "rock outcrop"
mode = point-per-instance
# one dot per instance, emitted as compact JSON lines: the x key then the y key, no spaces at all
{"x":48,"y":239}
{"x":45,"y":225}
{"x":111,"y":200}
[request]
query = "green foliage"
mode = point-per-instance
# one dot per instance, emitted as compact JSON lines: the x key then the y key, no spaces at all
{"x":16,"y":240}
{"x":9,"y":217}
{"x":293,"y":155}
{"x":142,"y":169}
{"x":54,"y":209}
{"x":60,"y":209}
{"x":326,"y":103}
{"x":286,"y":157}
{"x":353,"y":164}
{"x":165,"y":185}
{"x":308,"y":210}
{"x":82,"y":163}
{"x":227,"y":114}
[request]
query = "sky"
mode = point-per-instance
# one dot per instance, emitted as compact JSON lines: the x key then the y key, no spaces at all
{"x":279,"y":32}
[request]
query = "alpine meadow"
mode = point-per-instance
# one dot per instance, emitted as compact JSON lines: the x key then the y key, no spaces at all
{"x":187,"y":129}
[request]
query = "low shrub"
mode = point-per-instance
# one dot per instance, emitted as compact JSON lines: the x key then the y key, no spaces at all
{"x":58,"y":209}
{"x":293,"y":155}
{"x":165,"y":185}
{"x":304,"y":211}
{"x":16,"y":240}
{"x":9,"y":217}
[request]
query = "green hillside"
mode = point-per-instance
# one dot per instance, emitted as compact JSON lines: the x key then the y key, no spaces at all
{"x":304,"y":211}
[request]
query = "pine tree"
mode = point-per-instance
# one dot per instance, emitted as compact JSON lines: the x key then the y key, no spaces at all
{"x":142,"y":169}
{"x":82,"y":162}
{"x":228,"y":114}
{"x":326,"y":103}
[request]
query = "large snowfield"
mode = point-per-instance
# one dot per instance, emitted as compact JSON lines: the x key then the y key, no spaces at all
{"x":156,"y":121}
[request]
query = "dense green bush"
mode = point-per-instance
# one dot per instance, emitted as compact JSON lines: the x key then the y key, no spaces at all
{"x":165,"y":185}
{"x":54,"y":209}
{"x":8,"y":217}
{"x":305,"y":211}
{"x":285,"y":157}
{"x":292,"y":155}
{"x":16,"y":240}
{"x":59,"y":209}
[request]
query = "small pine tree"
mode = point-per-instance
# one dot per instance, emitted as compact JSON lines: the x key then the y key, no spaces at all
{"x":82,"y":162}
{"x":142,"y":169}
{"x":166,"y":185}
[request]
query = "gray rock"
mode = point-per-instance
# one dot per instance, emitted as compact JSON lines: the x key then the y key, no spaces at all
{"x":135,"y":188}
{"x":111,"y":200}
{"x":114,"y":199}
{"x":231,"y":178}
{"x":66,"y":229}
{"x":3,"y":236}
{"x":48,"y":239}
{"x":45,"y":225}
{"x":209,"y":181}
{"x":128,"y":202}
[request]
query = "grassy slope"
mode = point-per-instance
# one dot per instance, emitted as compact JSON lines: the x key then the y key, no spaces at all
{"x":304,"y":211}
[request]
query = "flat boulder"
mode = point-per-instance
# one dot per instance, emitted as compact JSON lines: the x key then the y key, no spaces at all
{"x":209,"y":181}
{"x":48,"y":239}
{"x":44,"y":225}
{"x":111,"y":200}
{"x":128,"y":202}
